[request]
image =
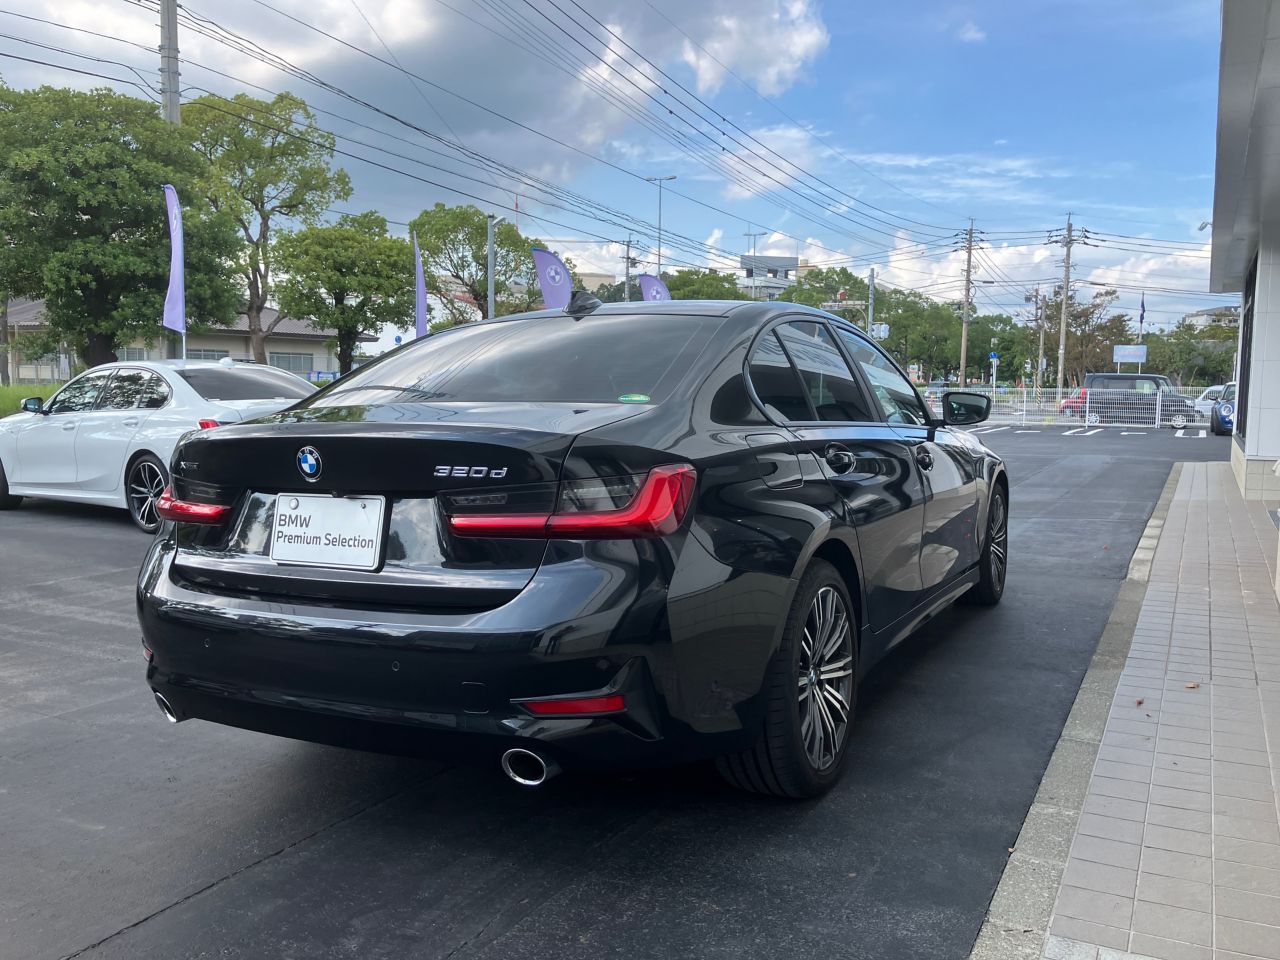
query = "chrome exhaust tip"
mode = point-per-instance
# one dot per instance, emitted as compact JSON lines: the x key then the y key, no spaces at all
{"x":165,"y":708}
{"x":528,"y":768}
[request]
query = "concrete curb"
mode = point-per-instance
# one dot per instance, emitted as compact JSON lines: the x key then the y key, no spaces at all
{"x":1017,"y":919}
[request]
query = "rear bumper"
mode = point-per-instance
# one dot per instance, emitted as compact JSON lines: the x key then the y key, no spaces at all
{"x":438,"y":684}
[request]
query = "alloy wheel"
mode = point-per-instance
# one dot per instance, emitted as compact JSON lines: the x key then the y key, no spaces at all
{"x":999,"y":539}
{"x":826,"y":678}
{"x":146,"y":483}
{"x":1178,"y":421}
{"x":1093,"y":419}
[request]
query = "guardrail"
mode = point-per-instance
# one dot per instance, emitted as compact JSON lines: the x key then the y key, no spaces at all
{"x":1078,"y":407}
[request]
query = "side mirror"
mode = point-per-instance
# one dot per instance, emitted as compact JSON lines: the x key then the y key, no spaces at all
{"x":960,"y":409}
{"x":33,"y":405}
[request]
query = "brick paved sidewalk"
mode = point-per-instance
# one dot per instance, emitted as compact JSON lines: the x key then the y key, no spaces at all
{"x":1176,"y":854}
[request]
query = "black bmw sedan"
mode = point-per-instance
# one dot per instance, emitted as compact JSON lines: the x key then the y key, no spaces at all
{"x":630,"y":535}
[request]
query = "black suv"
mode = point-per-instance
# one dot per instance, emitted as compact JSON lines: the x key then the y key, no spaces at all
{"x":1146,"y":399}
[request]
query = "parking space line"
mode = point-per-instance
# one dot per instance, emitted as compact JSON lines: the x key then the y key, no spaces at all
{"x":1183,"y":433}
{"x":989,"y":430}
{"x":1133,"y":433}
{"x":1073,"y":431}
{"x":1026,"y":431}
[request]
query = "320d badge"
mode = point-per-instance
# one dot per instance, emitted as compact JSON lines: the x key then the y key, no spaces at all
{"x":632,"y":535}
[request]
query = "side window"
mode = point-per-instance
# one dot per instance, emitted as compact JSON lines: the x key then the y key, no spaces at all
{"x":900,"y":401}
{"x":775,"y":380}
{"x":154,"y":394}
{"x":832,"y":389}
{"x":1142,"y":386}
{"x":123,"y":391}
{"x":80,"y":394}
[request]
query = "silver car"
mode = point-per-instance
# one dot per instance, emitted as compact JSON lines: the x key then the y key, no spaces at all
{"x":107,"y":436}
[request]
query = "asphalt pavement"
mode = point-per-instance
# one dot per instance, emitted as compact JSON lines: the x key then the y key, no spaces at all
{"x":126,"y":837}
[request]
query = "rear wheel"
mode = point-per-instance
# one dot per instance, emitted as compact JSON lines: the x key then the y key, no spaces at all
{"x":144,"y":483}
{"x":1093,"y":419}
{"x":7,"y":500}
{"x":810,"y":692}
{"x":993,"y":563}
{"x":1178,"y":421}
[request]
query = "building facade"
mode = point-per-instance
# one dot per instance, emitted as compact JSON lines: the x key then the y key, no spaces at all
{"x":292,"y":345}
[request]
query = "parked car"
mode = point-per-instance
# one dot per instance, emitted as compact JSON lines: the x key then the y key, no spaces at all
{"x":1222,"y":419}
{"x":1204,"y":403}
{"x":634,"y":535}
{"x":1131,"y":398}
{"x":107,"y":436}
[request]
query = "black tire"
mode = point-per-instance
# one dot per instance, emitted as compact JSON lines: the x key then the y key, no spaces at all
{"x":993,"y":563}
{"x":143,"y":482}
{"x":7,"y":500}
{"x":781,"y":762}
{"x":1215,"y":425}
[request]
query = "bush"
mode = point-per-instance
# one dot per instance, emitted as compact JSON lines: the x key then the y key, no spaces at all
{"x":12,"y":397}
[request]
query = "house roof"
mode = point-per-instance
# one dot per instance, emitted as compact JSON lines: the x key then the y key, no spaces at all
{"x":28,"y":315}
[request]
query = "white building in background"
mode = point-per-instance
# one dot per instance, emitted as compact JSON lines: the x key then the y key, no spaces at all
{"x":1221,"y":316}
{"x":767,"y":278}
{"x":294,"y":345}
{"x":1245,"y":257}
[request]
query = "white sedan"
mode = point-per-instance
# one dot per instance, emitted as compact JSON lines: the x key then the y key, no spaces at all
{"x":1204,"y":403}
{"x":107,"y":436}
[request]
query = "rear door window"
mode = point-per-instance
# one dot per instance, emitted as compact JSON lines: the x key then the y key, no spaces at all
{"x":609,"y":358}
{"x":155,"y":392}
{"x":776,"y":382}
{"x":831,"y":387}
{"x":124,"y":390}
{"x":245,"y":383}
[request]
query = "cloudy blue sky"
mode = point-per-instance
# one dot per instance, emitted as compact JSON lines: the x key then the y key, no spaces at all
{"x":855,"y":132}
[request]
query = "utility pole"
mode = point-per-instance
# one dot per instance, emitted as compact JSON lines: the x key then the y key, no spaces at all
{"x":169,"y":61}
{"x":1066,"y":298}
{"x":660,"y":181}
{"x":871,"y":299}
{"x":968,"y":298}
{"x":491,"y":223}
{"x":1040,"y":357}
{"x":751,"y":239}
{"x":626,"y":263}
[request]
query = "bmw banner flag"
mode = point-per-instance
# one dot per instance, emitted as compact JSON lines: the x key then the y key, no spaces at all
{"x":554,"y":278}
{"x":419,"y":290}
{"x":652,"y":288}
{"x":175,"y":300}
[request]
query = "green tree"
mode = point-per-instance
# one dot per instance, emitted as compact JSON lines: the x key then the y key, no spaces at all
{"x":610,"y":292}
{"x":1189,"y":355}
{"x":454,"y":243}
{"x":821,"y":285}
{"x":351,"y":277}
{"x":703,"y":285}
{"x":268,"y":161}
{"x":82,"y":210}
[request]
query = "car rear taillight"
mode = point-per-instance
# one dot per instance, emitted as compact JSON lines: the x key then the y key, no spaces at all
{"x":574,"y":706}
{"x":207,"y":424}
{"x":187,"y":511}
{"x":615,"y":508}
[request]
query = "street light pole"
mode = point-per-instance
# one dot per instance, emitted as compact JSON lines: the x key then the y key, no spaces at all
{"x":660,"y":181}
{"x":491,"y":222}
{"x":169,"y":61}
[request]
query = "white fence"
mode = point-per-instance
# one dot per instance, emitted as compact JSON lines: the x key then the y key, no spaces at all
{"x":1130,"y":408}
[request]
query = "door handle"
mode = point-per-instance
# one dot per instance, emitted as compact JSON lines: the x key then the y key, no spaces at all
{"x":924,"y":458}
{"x":130,"y":422}
{"x":68,"y":426}
{"x":839,"y":458}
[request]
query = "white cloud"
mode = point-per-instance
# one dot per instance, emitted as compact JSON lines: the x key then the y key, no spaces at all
{"x":970,"y":32}
{"x":767,"y":43}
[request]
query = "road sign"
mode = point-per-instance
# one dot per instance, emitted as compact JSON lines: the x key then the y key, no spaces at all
{"x":397,"y":339}
{"x":993,"y":355}
{"x":1129,"y":353}
{"x":880,"y":330}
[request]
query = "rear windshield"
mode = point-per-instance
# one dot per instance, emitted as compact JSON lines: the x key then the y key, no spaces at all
{"x":619,"y":358}
{"x":246,"y":383}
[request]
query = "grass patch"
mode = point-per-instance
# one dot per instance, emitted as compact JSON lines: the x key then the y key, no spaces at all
{"x":12,"y":397}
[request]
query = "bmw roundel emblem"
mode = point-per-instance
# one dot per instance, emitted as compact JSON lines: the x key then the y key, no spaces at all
{"x":309,"y":464}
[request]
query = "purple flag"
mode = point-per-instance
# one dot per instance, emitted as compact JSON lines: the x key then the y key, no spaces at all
{"x":175,"y":300}
{"x":419,"y":290}
{"x":652,"y":288}
{"x":553,"y":276}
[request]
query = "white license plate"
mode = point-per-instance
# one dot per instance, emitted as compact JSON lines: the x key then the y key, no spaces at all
{"x":325,"y":531}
